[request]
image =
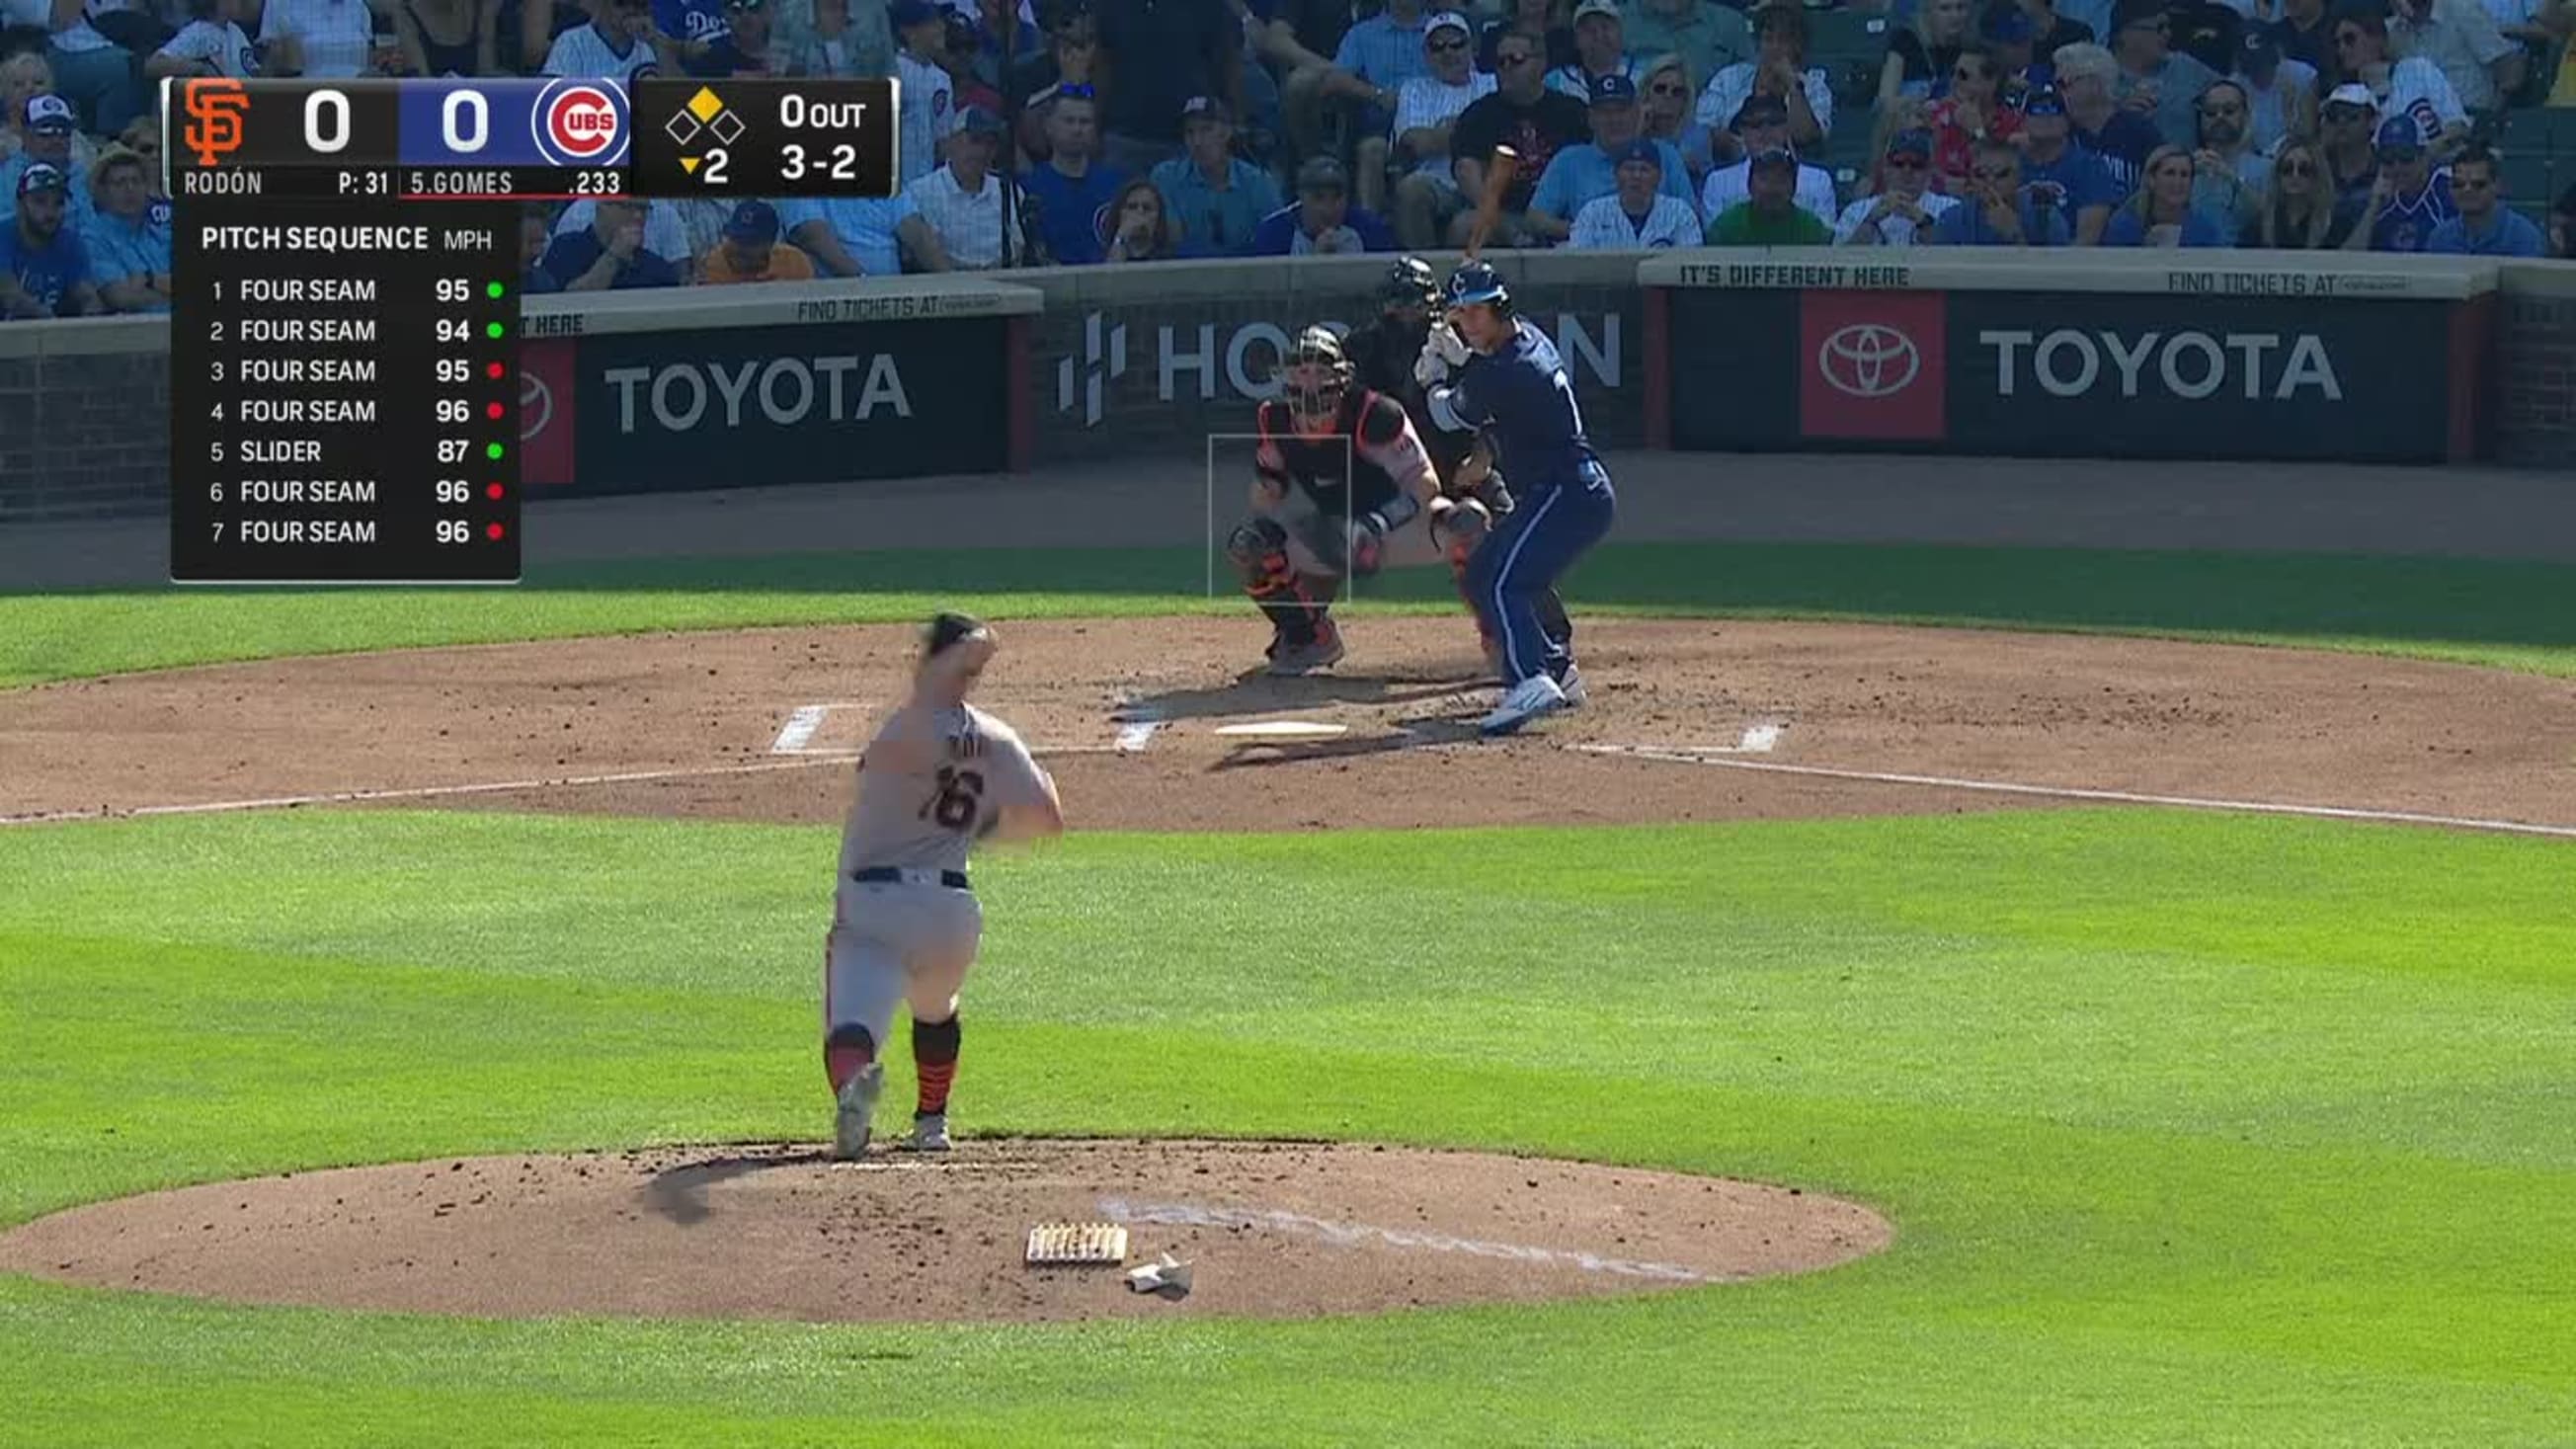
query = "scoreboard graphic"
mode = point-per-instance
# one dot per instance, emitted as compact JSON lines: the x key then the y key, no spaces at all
{"x":345,"y":338}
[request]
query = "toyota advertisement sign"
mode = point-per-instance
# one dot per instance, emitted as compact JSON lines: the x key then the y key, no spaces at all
{"x":2063,"y":374}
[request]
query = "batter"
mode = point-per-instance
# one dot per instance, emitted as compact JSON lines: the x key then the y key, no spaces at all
{"x":938,"y":776}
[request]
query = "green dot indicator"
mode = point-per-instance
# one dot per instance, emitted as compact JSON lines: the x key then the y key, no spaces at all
{"x":493,"y":331}
{"x":492,"y":451}
{"x":495,"y":291}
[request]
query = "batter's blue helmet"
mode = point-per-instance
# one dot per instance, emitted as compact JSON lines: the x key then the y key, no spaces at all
{"x":1475,"y":282}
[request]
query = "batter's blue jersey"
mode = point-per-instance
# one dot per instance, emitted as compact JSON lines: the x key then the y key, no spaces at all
{"x":1524,"y":395}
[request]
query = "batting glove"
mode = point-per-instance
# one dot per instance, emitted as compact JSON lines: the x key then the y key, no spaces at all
{"x":1446,"y":341}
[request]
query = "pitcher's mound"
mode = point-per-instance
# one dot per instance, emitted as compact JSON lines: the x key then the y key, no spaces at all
{"x":1270,"y":1230}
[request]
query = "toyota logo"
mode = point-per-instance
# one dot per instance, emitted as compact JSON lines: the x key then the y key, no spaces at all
{"x":536,"y":405}
{"x":1868,"y":359}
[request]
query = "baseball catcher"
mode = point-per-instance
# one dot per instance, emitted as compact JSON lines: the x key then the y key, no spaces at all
{"x":1383,"y":354}
{"x":938,"y":775}
{"x":1339,"y":468}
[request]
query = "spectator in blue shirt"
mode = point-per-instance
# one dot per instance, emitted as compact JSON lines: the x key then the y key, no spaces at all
{"x":1997,"y":211}
{"x":1217,"y":199}
{"x":851,"y":236}
{"x":701,"y":35}
{"x":1580,"y":175}
{"x":2161,"y":215}
{"x":1376,"y":57}
{"x":1072,"y":189}
{"x":2410,"y":197}
{"x":2058,"y":173}
{"x":609,"y":253}
{"x":2087,"y":77}
{"x":1322,"y":221}
{"x":2485,"y":227}
{"x":46,"y":125}
{"x":44,"y":270}
{"x":129,"y":252}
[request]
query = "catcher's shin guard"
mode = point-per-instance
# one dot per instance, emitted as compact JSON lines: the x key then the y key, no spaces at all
{"x":1259,"y":551}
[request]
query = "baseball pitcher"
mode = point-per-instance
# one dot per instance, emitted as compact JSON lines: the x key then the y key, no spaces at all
{"x":938,"y":776}
{"x":1341,"y":476}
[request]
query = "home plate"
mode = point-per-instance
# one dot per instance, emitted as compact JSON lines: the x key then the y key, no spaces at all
{"x":1285,"y":729}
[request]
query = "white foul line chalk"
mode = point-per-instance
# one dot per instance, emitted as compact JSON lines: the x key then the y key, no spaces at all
{"x":2063,"y":792}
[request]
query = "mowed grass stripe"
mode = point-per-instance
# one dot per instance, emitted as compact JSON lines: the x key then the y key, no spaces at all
{"x":2195,"y":1129}
{"x":2504,"y":614}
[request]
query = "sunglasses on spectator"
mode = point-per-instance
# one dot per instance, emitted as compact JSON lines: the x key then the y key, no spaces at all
{"x":2298,"y":168}
{"x":1667,"y":89}
{"x":2345,"y":114}
{"x":1447,"y":47}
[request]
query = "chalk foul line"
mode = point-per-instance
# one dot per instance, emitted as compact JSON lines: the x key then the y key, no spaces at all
{"x":1353,"y":1235}
{"x":1726,"y":760}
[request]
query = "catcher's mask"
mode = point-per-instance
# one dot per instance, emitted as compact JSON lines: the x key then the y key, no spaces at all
{"x":1313,"y":378}
{"x":1409,"y":286}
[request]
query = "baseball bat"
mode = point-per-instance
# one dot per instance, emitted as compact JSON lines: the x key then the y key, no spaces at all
{"x":1489,"y":207}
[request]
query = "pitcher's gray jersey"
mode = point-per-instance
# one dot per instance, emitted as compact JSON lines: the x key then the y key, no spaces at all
{"x":930,"y":783}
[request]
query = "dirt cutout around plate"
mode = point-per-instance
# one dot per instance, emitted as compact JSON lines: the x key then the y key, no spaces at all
{"x":1272,"y":1230}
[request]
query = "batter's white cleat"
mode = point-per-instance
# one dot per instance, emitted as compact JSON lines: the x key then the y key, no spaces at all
{"x":1572,"y":687}
{"x":1527,"y":700}
{"x":857,"y":1112}
{"x":929,"y":1133}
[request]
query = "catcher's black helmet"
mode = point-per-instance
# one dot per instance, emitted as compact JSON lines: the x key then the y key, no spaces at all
{"x":1409,"y":283}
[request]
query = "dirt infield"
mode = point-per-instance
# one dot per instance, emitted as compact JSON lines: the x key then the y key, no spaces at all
{"x":759,"y":725}
{"x":1269,"y":1230}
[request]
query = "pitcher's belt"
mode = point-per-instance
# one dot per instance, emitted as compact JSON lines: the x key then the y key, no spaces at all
{"x":954,"y":880}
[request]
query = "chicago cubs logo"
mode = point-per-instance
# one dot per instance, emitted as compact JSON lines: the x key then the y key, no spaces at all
{"x":580,"y":123}
{"x":1868,"y":360}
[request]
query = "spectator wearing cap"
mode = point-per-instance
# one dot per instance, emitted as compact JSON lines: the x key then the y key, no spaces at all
{"x":1523,"y":114}
{"x":959,"y":50}
{"x":1600,"y":49}
{"x":2087,"y":81}
{"x":1708,"y":36}
{"x":2461,"y":41}
{"x":1426,"y":111}
{"x":46,"y":129}
{"x":2300,"y":209}
{"x":1763,"y":125}
{"x":2161,"y":214}
{"x":1769,"y":215}
{"x":1905,"y":204}
{"x":1072,"y":59}
{"x":1998,"y":211}
{"x":2485,"y":227}
{"x":212,"y":43}
{"x":2209,"y":31}
{"x":44,"y":268}
{"x":701,"y":37}
{"x":1919,"y":56}
{"x":2411,"y":197}
{"x":969,"y":203}
{"x":1972,"y":112}
{"x":1160,"y":53}
{"x":86,"y":68}
{"x":1640,"y":213}
{"x":2228,"y":173}
{"x":1217,"y":199}
{"x":749,"y":250}
{"x":2411,"y":87}
{"x":1582,"y":174}
{"x":2280,"y":92}
{"x":1546,"y":21}
{"x":129,"y":247}
{"x":621,"y":42}
{"x":1071,"y":189}
{"x":927,"y":96}
{"x":1779,"y":69}
{"x":1322,"y":220}
{"x":2155,"y":81}
{"x":1139,"y":226}
{"x":1363,"y":85}
{"x":849,"y":236}
{"x":610,"y":253}
{"x":2347,"y":125}
{"x":2061,"y":175}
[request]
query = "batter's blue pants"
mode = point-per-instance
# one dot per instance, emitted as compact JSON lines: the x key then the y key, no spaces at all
{"x":1516,"y":565}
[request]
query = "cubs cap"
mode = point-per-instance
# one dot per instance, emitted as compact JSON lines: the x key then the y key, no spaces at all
{"x":980,"y":121}
{"x":2398,"y":136}
{"x":1777,"y":158}
{"x":1761,"y":110}
{"x":2043,"y":101}
{"x":1596,"y":7}
{"x":50,"y":116}
{"x":752,"y":221}
{"x":2352,"y":93}
{"x":1911,"y":143}
{"x":1640,"y":149}
{"x":2260,"y":49}
{"x":1448,"y":20}
{"x":1205,"y":108}
{"x":42,"y":177}
{"x":1613,"y":90}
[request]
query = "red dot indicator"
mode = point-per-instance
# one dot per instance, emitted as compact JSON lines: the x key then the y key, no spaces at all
{"x":493,"y":411}
{"x":492,"y":531}
{"x":493,"y":372}
{"x":492,"y":490}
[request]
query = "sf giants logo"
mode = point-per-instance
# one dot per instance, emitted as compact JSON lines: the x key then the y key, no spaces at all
{"x":215,"y":111}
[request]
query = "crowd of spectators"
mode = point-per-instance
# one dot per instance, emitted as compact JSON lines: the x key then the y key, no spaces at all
{"x":1077,"y":132}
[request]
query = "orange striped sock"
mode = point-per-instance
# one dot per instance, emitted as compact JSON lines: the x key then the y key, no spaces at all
{"x":935,"y":1080}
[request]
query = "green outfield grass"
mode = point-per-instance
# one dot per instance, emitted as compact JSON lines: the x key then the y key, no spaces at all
{"x":2196,"y":1129}
{"x":2513,"y":615}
